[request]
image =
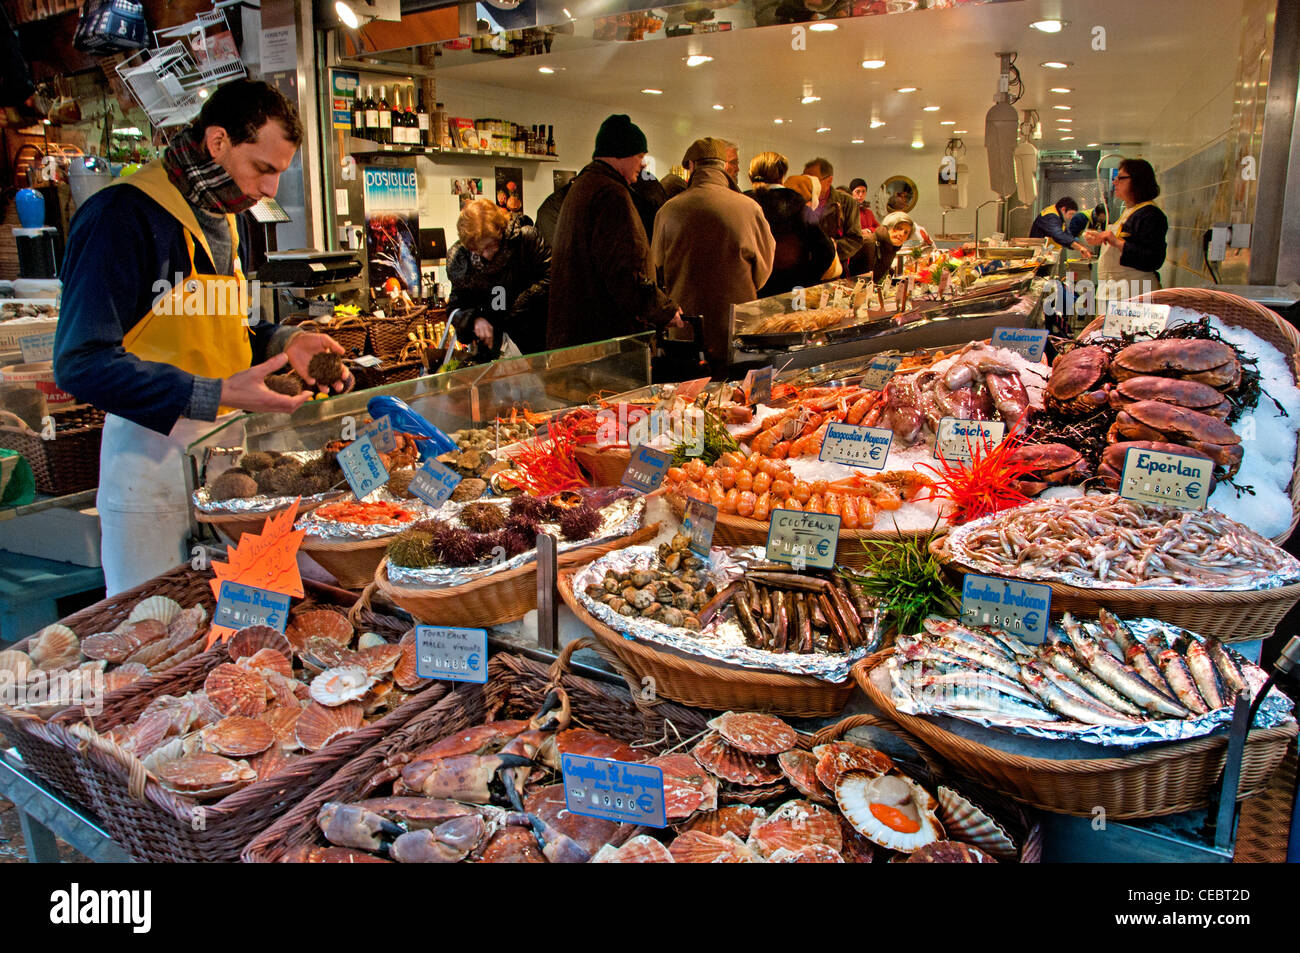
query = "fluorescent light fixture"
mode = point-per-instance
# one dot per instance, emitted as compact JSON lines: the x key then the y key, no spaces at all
{"x":906,"y":89}
{"x":698,"y":59}
{"x":857,"y":142}
{"x":719,"y":106}
{"x":1047,"y":26}
{"x":918,"y":144}
{"x":545,"y":69}
{"x":1067,"y":138}
{"x":1061,"y":89}
{"x":877,"y":123}
{"x":810,"y":99}
{"x":948,"y":122}
{"x":821,"y":26}
{"x":778,"y":121}
{"x":823,"y":128}
{"x":1055,"y":64}
{"x":1093,"y":145}
{"x":347,"y":14}
{"x":930,"y":109}
{"x":1063,"y":108}
{"x":960,"y":132}
{"x":567,"y":14}
{"x":873,"y":64}
{"x":653,"y":92}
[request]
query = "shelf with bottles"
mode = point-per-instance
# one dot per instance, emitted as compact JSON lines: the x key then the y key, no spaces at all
{"x":366,"y":147}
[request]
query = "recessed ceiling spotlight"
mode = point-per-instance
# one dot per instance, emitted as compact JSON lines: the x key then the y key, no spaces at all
{"x":823,"y":128}
{"x":930,"y":109}
{"x":857,"y":142}
{"x":1061,"y":89}
{"x":873,"y":64}
{"x":810,"y":99}
{"x":1055,"y":64}
{"x":653,"y":92}
{"x":877,"y":123}
{"x":822,"y":26}
{"x":698,"y":59}
{"x":1047,"y":26}
{"x":545,"y":69}
{"x":906,"y":89}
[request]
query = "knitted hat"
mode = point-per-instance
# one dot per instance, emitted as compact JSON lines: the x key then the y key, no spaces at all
{"x":619,"y":138}
{"x":706,"y":148}
{"x":855,"y":183}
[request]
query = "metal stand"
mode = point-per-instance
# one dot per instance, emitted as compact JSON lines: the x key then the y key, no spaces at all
{"x":44,"y":816}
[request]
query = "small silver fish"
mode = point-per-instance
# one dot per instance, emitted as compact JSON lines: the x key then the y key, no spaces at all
{"x":1142,"y":664}
{"x":1180,"y":680}
{"x":1234,"y":681}
{"x":1064,"y":662}
{"x":1119,"y":676}
{"x":1038,"y":678}
{"x":1202,"y":669}
{"x":996,"y":662}
{"x":948,"y":628}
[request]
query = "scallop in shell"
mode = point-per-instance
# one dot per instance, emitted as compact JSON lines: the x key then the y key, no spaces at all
{"x":890,"y":810}
{"x":235,"y":691}
{"x":734,"y":819}
{"x":267,"y":661}
{"x":812,"y":854}
{"x":337,"y":686}
{"x":379,"y":660}
{"x":795,"y":825}
{"x":285,"y":692}
{"x":239,"y":737}
{"x":155,"y":607}
{"x":642,"y":849}
{"x":318,"y":725}
{"x":16,"y":664}
{"x":754,"y":733}
{"x":370,"y":640}
{"x":273,"y":761}
{"x":124,"y":675}
{"x":753,"y":794}
{"x":283,"y":722}
{"x":949,"y":852}
{"x":734,"y":765}
{"x":696,"y":847}
{"x":319,"y":654}
{"x":835,"y":758}
{"x":251,"y":640}
{"x":205,"y":775}
{"x":186,"y":627}
{"x":964,"y":821}
{"x":688,"y":788}
{"x":404,"y":673}
{"x":319,"y":624}
{"x":800,"y":769}
{"x":54,"y":647}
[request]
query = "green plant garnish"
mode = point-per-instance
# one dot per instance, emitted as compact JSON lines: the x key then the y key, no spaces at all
{"x":906,"y":580}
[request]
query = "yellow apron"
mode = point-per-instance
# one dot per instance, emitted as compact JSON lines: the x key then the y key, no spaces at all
{"x":1115,"y":282}
{"x":143,"y":500}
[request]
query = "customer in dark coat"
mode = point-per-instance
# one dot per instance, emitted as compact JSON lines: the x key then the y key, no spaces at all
{"x":500,"y":280}
{"x":602,"y":283}
{"x":803,"y":252}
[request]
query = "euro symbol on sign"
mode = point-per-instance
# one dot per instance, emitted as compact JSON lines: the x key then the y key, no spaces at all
{"x":645,"y":803}
{"x":1194,"y":488}
{"x":1031,"y":620}
{"x":472,"y":662}
{"x":823,"y":547}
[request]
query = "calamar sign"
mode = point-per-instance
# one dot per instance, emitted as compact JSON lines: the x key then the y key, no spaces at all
{"x":1026,"y":342}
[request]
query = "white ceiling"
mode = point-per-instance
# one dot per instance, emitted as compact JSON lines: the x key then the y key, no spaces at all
{"x":1153,"y":48}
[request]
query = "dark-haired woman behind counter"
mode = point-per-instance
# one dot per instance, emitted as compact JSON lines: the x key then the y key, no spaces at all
{"x":1133,"y":249}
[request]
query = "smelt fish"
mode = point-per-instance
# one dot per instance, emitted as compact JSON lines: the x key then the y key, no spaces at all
{"x":1233,"y":680}
{"x":1180,"y":680}
{"x":1038,"y":678}
{"x":1198,"y":660}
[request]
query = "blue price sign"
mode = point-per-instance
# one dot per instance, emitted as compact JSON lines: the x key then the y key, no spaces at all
{"x":380,"y":433}
{"x":856,"y":445}
{"x":615,"y":790}
{"x":362,"y":467}
{"x":646,"y":469}
{"x":1025,"y":342}
{"x":37,"y":347}
{"x":806,"y":538}
{"x":239,"y":606}
{"x":1168,"y":479}
{"x":699,"y":521}
{"x":1021,"y":608}
{"x":434,"y":483}
{"x":454,"y":655}
{"x":758,"y":385}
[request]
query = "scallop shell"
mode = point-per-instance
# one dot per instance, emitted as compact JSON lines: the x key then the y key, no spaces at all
{"x":126,"y":640}
{"x":267,"y":661}
{"x":17,"y":664}
{"x":370,"y":640}
{"x":318,"y":725}
{"x":735,"y":819}
{"x":273,"y":761}
{"x":688,"y":788}
{"x":148,"y":732}
{"x":696,"y":847}
{"x":857,"y":792}
{"x":172,"y":750}
{"x":319,"y":624}
{"x":235,"y":691}
{"x":732,"y":765}
{"x":54,"y":647}
{"x":254,"y":638}
{"x":183,"y":654}
{"x":124,"y":675}
{"x":812,"y":854}
{"x":404,"y":672}
{"x":239,"y":737}
{"x":319,"y":654}
{"x":379,"y":660}
{"x":151,"y":653}
{"x":839,"y":756}
{"x":205,"y":775}
{"x":642,"y":849}
{"x":754,"y":733}
{"x":964,"y":821}
{"x":949,"y":852}
{"x":205,"y":712}
{"x":795,"y":825}
{"x":155,"y":607}
{"x":374,"y":699}
{"x":284,"y":692}
{"x":800,"y":769}
{"x":855,"y":848}
{"x":283,"y":722}
{"x":337,"y":686}
{"x":758,"y":794}
{"x":186,"y":627}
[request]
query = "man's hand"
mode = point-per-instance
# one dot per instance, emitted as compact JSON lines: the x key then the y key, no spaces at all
{"x":247,"y":390}
{"x":1083,"y":250}
{"x":677,"y":321}
{"x":304,"y":346}
{"x":483,"y":331}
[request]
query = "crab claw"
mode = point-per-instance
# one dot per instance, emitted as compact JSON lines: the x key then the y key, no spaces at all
{"x":347,"y":825}
{"x":465,"y":778}
{"x":556,"y":698}
{"x":557,"y":847}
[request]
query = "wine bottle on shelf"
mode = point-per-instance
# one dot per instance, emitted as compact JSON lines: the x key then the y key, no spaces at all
{"x":408,"y":118}
{"x":358,"y":114}
{"x":550,"y":141}
{"x":372,"y":115}
{"x":422,"y":124}
{"x":399,"y":118}
{"x":385,"y":118}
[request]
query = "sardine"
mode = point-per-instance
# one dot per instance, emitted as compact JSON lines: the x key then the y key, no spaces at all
{"x":1017,"y":648}
{"x":970,"y":698}
{"x":948,"y":628}
{"x":1116,"y":630}
{"x":1154,"y":646}
{"x":1142,"y":664}
{"x":933,"y":655}
{"x":1060,"y":657}
{"x":1202,"y":669}
{"x":982,"y":681}
{"x":1234,"y":681}
{"x":998,"y":662}
{"x":1180,"y":680}
{"x":1041,"y":680}
{"x":1119,"y":676}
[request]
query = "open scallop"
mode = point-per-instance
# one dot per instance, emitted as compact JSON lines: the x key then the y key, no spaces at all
{"x":890,"y":810}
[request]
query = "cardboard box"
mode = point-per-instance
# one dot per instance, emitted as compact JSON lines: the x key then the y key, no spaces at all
{"x":63,"y":535}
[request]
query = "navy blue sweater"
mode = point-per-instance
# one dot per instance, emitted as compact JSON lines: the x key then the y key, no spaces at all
{"x":1050,"y":225}
{"x":120,"y":244}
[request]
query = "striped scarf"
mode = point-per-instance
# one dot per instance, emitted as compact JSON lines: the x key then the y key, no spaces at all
{"x":203,"y":182}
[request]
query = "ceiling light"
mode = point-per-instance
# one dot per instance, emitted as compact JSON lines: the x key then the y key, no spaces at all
{"x":203,"y":94}
{"x":810,"y":99}
{"x":1065,"y":119}
{"x":1061,"y":89}
{"x":1047,"y":26}
{"x":347,"y":14}
{"x":778,"y":121}
{"x":1067,"y":138}
{"x":1093,"y":145}
{"x":857,"y":142}
{"x":877,"y":123}
{"x":823,"y":128}
{"x":653,"y":92}
{"x":905,"y":89}
{"x":959,"y":132}
{"x":918,"y":144}
{"x":821,"y":26}
{"x":567,"y":14}
{"x":545,"y":69}
{"x":1055,"y":64}
{"x":930,"y":109}
{"x":719,"y":106}
{"x":1063,"y":108}
{"x":698,"y":59}
{"x":873,"y":64}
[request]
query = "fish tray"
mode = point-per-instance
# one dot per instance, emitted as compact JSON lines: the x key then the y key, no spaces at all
{"x":1151,"y":782}
{"x":156,"y":826}
{"x":732,"y":530}
{"x":495,"y":598}
{"x":235,"y":525}
{"x":703,"y":684}
{"x":1228,"y":615}
{"x":1255,"y":318}
{"x":43,"y":754}
{"x":516,"y":689}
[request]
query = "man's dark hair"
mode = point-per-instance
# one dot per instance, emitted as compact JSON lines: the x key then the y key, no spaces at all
{"x":823,"y":167}
{"x":1067,"y":204}
{"x":1141,"y":179}
{"x":243,"y":107}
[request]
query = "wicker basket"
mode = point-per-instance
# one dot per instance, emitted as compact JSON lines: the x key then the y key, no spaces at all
{"x":605,"y":467}
{"x":154,"y":825}
{"x":388,"y":336}
{"x":1152,"y":782}
{"x":389,"y":372}
{"x":353,"y":563}
{"x":703,"y":684}
{"x":1242,"y":313}
{"x":516,"y":688}
{"x":350,"y":332}
{"x":493,"y":599}
{"x":235,"y":525}
{"x":68,"y":463}
{"x":1230,"y":616}
{"x":44,"y":755}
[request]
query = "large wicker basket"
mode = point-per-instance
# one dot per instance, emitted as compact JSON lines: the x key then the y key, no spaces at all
{"x":516,"y":688}
{"x":492,"y":599}
{"x":1243,"y":313}
{"x":42,"y":754}
{"x":352,"y":563}
{"x":1151,"y":782}
{"x":349,"y":331}
{"x":605,"y":467}
{"x":703,"y":684}
{"x":1231,"y":616}
{"x":67,"y":463}
{"x":235,"y":525}
{"x":154,"y":825}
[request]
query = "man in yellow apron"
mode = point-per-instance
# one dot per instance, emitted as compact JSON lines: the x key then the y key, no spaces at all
{"x":1133,"y":250}
{"x":154,"y":326}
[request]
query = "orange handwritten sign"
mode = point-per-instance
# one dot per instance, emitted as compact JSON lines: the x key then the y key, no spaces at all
{"x":266,"y":560}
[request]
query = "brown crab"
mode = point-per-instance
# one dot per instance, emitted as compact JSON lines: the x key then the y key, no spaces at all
{"x":1055,"y":464}
{"x":1112,"y":460}
{"x":1154,"y":420}
{"x":1193,"y":359}
{"x":1077,"y":385}
{"x":1171,"y":390}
